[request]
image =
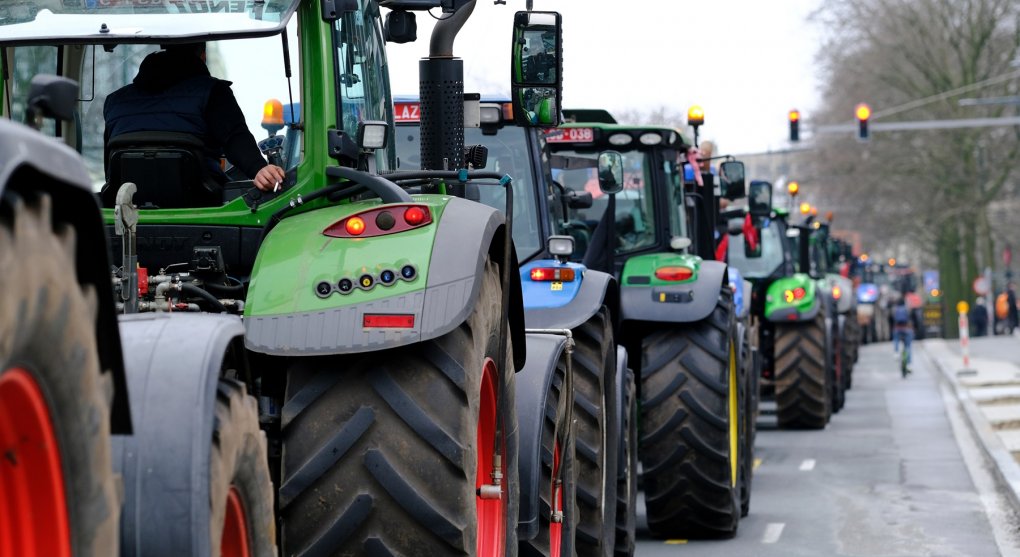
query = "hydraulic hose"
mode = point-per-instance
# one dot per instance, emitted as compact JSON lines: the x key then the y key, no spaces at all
{"x":192,"y":290}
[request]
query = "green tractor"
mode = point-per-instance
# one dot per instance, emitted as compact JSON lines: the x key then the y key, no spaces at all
{"x":373,"y":378}
{"x":677,"y":312}
{"x":796,"y":307}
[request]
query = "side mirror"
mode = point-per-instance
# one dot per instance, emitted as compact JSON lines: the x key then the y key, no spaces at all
{"x":536,"y":77}
{"x":610,"y":172}
{"x":759,"y":199}
{"x":731,"y":179}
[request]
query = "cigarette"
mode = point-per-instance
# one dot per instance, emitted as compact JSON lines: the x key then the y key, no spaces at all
{"x":276,"y":188}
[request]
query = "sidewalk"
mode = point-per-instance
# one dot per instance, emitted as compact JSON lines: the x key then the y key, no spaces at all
{"x":990,"y":396}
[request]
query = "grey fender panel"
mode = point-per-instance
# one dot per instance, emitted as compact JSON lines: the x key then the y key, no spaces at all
{"x":173,"y":365}
{"x":22,"y":145}
{"x":621,"y":392}
{"x":533,"y":384}
{"x":589,"y":299}
{"x":637,"y":303}
{"x":782,"y":316}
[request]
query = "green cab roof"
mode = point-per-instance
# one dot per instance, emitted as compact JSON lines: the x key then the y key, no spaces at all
{"x":132,"y":21}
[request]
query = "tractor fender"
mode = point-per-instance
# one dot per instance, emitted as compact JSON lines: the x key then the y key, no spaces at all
{"x":621,"y":393}
{"x":534,"y":382}
{"x":467,"y":233}
{"x":741,"y":291}
{"x":56,"y":169}
{"x":173,"y":363}
{"x":597,"y":289}
{"x":685,"y":303}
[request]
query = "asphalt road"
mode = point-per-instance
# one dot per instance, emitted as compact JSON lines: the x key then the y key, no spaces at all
{"x":896,"y":473}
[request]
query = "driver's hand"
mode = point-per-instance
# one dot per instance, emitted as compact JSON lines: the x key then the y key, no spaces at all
{"x":269,"y":177}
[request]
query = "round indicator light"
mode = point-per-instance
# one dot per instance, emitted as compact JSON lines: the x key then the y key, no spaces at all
{"x":408,"y":272}
{"x":414,"y":216}
{"x":323,"y":289}
{"x":385,"y":220}
{"x":355,"y":226}
{"x":387,"y":277}
{"x":366,"y":281}
{"x":345,"y":286}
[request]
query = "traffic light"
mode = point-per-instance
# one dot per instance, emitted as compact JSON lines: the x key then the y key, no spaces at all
{"x":795,"y":125}
{"x":863,"y":114}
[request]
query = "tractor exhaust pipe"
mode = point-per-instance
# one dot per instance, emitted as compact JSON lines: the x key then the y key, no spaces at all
{"x":441,"y":90}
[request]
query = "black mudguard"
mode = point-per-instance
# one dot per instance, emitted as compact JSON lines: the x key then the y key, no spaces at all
{"x":533,"y":384}
{"x":695,"y":301}
{"x":57,"y":169}
{"x":597,"y":289}
{"x":173,"y":365}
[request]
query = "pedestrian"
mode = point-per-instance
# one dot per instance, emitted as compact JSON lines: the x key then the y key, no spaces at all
{"x":979,"y":318}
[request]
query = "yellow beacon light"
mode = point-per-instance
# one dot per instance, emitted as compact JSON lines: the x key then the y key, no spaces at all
{"x":793,"y":188}
{"x":805,"y":208}
{"x":863,"y":112}
{"x":272,"y":116}
{"x":695,"y":116}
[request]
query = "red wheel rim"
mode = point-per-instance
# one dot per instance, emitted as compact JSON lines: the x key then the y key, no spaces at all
{"x":33,"y":504}
{"x":556,"y":528}
{"x":235,"y":528}
{"x":491,"y":512}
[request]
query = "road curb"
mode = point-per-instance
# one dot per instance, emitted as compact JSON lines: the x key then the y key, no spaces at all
{"x":1006,"y":469}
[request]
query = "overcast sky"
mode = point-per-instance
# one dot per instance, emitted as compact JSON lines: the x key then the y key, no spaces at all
{"x":746,"y":62}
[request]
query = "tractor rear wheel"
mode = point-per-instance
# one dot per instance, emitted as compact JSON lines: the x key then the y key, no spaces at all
{"x":594,"y":369}
{"x":58,"y":492}
{"x":558,"y":483}
{"x":393,"y":452}
{"x":627,"y":481}
{"x":803,"y":392}
{"x":690,"y":414}
{"x":240,"y":491}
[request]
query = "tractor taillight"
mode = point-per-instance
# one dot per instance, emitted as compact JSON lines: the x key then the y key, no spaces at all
{"x":388,"y":321}
{"x":380,"y":221}
{"x":552,"y":274}
{"x":355,"y":226}
{"x":796,"y":294}
{"x":674,"y":273}
{"x":415,"y":215}
{"x":837,"y":293}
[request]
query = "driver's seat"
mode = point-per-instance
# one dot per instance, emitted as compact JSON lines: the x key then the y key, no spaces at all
{"x":168,"y":168}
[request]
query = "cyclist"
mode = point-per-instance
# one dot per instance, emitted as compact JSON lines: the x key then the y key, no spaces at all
{"x":903,"y":330}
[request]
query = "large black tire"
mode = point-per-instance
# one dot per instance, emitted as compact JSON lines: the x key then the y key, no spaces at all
{"x":561,"y":475}
{"x":837,"y":368}
{"x":380,"y":451}
{"x":749,"y":419}
{"x":594,"y":369}
{"x":627,"y":480}
{"x":47,"y":330}
{"x":239,"y":463}
{"x":690,"y":421}
{"x":803,"y":391}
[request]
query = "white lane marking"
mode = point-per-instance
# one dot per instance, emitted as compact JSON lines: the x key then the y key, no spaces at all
{"x":772,"y":532}
{"x":807,"y":465}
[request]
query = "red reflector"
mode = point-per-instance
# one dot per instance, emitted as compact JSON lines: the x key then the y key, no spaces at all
{"x":388,"y":321}
{"x":355,"y":226}
{"x":674,"y":273}
{"x":549,"y":274}
{"x":415,"y":215}
{"x":799,"y":293}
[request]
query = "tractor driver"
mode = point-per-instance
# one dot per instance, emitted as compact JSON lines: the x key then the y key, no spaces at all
{"x":173,"y":92}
